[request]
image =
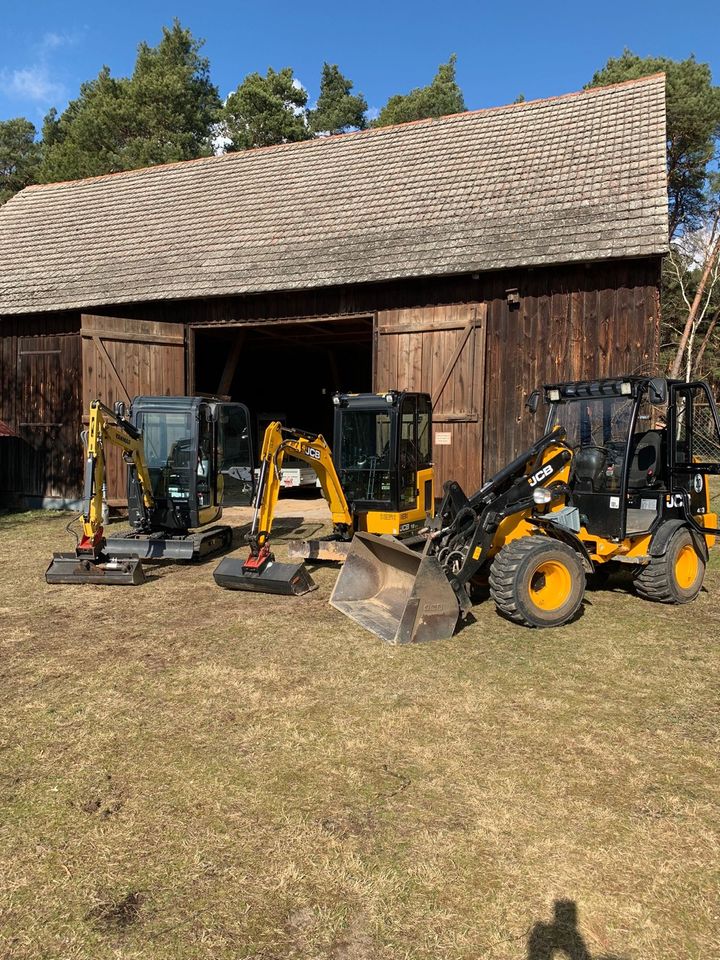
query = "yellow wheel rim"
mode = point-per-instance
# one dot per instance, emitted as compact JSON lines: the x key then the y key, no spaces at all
{"x":686,"y":566}
{"x":550,"y":585}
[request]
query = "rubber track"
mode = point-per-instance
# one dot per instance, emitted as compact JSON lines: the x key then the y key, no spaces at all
{"x":503,"y":575}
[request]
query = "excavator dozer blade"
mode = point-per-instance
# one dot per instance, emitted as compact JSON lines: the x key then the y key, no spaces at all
{"x":68,"y":568}
{"x":281,"y":579}
{"x":401,"y":595}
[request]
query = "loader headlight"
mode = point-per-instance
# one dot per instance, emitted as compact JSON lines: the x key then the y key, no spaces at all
{"x":541,"y":495}
{"x":553,"y":396}
{"x":626,"y":389}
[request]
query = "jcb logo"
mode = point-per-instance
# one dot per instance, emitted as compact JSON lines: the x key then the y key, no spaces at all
{"x":315,"y":454}
{"x":538,"y":477}
{"x":674,"y":499}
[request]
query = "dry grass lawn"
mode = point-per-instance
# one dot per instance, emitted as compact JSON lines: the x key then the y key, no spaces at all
{"x":187,"y":772}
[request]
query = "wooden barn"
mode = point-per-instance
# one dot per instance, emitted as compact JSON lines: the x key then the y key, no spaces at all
{"x":473,"y":256}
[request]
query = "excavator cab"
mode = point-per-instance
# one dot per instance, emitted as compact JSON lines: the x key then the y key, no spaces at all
{"x":199,"y":457}
{"x":198,"y":453}
{"x":382,"y":447}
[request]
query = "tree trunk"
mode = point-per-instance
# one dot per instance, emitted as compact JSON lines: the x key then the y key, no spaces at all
{"x":695,"y":306}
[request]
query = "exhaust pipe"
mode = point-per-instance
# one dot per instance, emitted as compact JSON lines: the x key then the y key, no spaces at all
{"x":400,"y":595}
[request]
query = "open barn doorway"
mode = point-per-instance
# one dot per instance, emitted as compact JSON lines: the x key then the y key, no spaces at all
{"x":285,"y":371}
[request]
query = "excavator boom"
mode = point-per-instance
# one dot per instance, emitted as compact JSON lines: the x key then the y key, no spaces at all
{"x":89,"y":563}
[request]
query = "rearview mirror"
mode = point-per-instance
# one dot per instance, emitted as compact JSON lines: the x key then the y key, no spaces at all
{"x":533,"y":401}
{"x":657,"y":391}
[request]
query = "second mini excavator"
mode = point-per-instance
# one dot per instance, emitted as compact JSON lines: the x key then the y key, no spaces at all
{"x":380,"y":482}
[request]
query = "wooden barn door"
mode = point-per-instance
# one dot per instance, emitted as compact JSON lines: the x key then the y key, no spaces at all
{"x":46,"y":457}
{"x":441,"y":351}
{"x":122,"y":359}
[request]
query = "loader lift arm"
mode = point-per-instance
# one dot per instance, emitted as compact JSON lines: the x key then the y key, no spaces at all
{"x":108,"y":427}
{"x":310,"y":448}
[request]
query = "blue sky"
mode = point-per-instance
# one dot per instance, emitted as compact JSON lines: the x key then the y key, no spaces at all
{"x":536,"y":48}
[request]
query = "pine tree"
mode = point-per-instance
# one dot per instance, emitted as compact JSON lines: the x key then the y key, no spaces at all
{"x":266,"y":110}
{"x":19,"y":156}
{"x":337,"y":110}
{"x":441,"y":97}
{"x":165,"y":111}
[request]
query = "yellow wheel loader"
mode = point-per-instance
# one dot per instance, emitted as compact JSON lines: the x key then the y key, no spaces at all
{"x":620,"y":476}
{"x":184,"y":456}
{"x":381,"y":482}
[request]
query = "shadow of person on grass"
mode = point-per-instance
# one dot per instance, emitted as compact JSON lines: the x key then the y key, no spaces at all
{"x":561,"y":937}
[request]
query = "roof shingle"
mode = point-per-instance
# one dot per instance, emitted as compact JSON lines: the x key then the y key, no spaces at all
{"x":573,"y":178}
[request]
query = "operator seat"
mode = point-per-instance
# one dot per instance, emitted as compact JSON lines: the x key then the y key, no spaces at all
{"x":589,"y":469}
{"x":646,"y":459}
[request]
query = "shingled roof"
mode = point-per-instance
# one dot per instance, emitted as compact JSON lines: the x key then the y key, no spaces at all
{"x":574,"y":178}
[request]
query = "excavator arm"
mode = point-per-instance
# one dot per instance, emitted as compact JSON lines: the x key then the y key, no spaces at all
{"x":279,"y":442}
{"x":107,"y":427}
{"x":259,"y":571}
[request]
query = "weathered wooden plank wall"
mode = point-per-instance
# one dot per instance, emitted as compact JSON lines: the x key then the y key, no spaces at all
{"x":567,"y":326}
{"x":40,"y":383}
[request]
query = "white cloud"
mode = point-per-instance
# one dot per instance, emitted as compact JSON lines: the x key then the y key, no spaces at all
{"x":372,"y":113}
{"x":31,"y":83}
{"x":54,"y":41}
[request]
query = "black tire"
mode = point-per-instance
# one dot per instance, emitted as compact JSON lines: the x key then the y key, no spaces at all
{"x":676,"y":576}
{"x":537,"y":581}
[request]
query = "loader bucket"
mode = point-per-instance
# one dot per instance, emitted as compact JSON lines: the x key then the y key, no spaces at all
{"x":281,"y":579}
{"x":69,"y":568}
{"x":401,"y":595}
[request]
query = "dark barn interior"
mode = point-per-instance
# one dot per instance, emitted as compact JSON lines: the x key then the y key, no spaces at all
{"x":286,"y":371}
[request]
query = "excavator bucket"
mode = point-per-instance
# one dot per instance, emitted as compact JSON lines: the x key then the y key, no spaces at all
{"x":69,"y":568}
{"x":401,"y":595}
{"x":281,"y":579}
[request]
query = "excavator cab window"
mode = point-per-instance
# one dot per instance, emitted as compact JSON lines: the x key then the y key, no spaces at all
{"x":235,"y":455}
{"x":168,"y":443}
{"x":365,"y":455}
{"x":381,"y":443}
{"x":414,"y":456}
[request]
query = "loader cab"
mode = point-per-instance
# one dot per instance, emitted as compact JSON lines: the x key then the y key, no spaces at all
{"x":383,"y":455}
{"x":199,"y":457}
{"x":635,"y":444}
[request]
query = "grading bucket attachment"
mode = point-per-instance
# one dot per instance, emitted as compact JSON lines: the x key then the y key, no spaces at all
{"x":69,"y":568}
{"x":282,"y":579}
{"x":399,"y":594}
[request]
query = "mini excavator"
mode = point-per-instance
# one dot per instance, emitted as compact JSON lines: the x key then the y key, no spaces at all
{"x":381,"y":482}
{"x":184,"y":456}
{"x":620,"y":477}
